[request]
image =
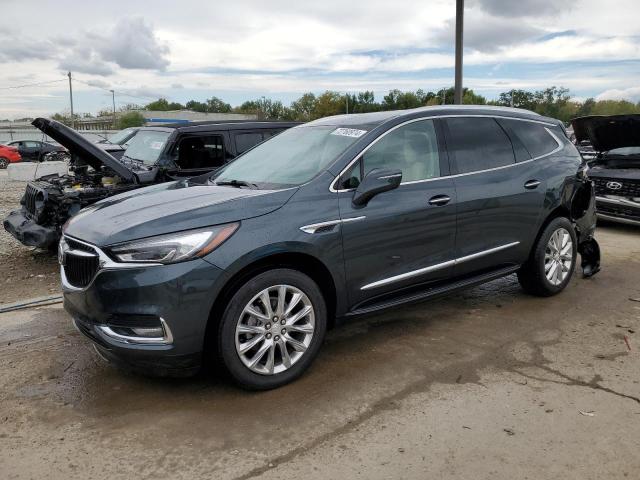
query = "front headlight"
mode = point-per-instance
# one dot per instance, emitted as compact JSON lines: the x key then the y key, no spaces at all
{"x":174,"y":247}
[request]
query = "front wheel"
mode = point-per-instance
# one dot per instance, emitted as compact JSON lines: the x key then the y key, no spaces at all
{"x":272,"y":329}
{"x":553,"y":259}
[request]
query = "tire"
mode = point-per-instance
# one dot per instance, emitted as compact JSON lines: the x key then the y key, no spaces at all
{"x":547,"y":272}
{"x":238,"y":329}
{"x":3,"y":163}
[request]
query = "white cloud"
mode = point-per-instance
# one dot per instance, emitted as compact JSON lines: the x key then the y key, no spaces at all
{"x":631,"y":93}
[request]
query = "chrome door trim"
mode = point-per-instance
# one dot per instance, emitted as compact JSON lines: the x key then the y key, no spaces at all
{"x":438,"y":266}
{"x":413,"y":273}
{"x":315,"y":226}
{"x":560,"y":146}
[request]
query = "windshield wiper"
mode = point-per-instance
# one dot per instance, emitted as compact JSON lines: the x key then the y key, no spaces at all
{"x":237,"y":183}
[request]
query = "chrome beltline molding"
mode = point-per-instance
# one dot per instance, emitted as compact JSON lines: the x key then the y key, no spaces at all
{"x":438,"y":266}
{"x":315,"y":226}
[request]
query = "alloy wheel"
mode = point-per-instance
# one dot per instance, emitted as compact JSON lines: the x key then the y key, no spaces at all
{"x":558,"y":256}
{"x":275,"y":329}
{"x":3,"y":162}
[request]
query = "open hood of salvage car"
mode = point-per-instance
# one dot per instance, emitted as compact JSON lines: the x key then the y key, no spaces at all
{"x":89,"y":152}
{"x":606,"y":132}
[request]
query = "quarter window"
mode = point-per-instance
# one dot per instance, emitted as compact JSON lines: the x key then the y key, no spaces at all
{"x":533,"y":136}
{"x":478,"y":144}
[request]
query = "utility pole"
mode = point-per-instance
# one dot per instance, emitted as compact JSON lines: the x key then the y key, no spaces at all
{"x":73,"y":120}
{"x":113,"y":99}
{"x":459,"y":31}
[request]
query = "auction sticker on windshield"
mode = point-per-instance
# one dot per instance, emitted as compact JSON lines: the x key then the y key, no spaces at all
{"x":156,"y":145}
{"x":349,"y":132}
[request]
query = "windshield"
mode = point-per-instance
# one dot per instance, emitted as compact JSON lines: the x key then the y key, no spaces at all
{"x":624,"y":151}
{"x":146,"y":146}
{"x":122,"y":136}
{"x":292,"y":158}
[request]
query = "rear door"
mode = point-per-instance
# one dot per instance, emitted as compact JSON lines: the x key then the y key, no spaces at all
{"x":401,"y":237}
{"x":499,"y":199}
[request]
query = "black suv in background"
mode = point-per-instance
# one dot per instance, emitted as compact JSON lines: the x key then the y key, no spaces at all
{"x":153,"y":155}
{"x":615,"y":168}
{"x":339,"y":217}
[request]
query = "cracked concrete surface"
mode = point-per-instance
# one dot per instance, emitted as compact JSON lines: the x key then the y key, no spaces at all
{"x":489,"y":383}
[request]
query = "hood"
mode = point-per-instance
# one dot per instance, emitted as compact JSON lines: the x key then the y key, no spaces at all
{"x":170,"y":207}
{"x":90,"y":153}
{"x":608,"y":132}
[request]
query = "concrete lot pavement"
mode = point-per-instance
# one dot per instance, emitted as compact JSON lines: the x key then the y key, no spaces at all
{"x":489,"y":383}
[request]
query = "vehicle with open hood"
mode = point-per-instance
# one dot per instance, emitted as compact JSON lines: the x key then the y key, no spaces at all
{"x":153,"y":155}
{"x":342,"y":216}
{"x":615,"y":169}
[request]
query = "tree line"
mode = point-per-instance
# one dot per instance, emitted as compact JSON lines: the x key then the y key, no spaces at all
{"x":553,"y":102}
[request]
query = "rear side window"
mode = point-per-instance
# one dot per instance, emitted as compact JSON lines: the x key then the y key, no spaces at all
{"x":478,"y":143}
{"x":244,"y":141}
{"x":195,"y":152}
{"x":535,"y":137}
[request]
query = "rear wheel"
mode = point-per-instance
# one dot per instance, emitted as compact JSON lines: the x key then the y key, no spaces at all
{"x":272,"y":329}
{"x":553,"y":259}
{"x":3,"y":162}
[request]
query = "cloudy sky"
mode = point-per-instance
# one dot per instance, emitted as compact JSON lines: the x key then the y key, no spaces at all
{"x":245,"y":49}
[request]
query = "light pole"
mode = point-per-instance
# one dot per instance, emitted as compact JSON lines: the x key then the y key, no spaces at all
{"x":113,"y":99}
{"x":73,"y":121}
{"x":457,"y":97}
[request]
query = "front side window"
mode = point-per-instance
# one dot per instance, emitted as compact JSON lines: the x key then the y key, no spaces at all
{"x":197,"y":152}
{"x":478,"y":143}
{"x":291,"y":158}
{"x":32,"y":144}
{"x":412,"y":148}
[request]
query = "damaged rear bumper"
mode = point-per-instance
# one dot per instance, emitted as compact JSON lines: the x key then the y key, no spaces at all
{"x":583,"y":215}
{"x":28,"y":232}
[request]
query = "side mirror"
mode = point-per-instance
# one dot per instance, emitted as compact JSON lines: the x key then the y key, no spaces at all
{"x":377,"y":181}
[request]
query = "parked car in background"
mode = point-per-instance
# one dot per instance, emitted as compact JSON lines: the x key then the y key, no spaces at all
{"x":8,"y":154}
{"x":154,"y":155}
{"x":343,"y":216}
{"x":615,"y":167}
{"x":34,"y":150}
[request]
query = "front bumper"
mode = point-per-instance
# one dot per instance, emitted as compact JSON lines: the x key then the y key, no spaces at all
{"x":28,"y":232}
{"x":179,"y":296}
{"x":619,"y":209}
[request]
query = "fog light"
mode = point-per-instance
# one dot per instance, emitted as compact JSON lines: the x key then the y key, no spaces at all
{"x":148,"y":332}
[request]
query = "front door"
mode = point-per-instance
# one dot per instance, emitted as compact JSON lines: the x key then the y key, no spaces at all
{"x":407,"y":235}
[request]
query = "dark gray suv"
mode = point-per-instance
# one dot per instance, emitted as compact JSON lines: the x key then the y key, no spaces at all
{"x":339,"y":217}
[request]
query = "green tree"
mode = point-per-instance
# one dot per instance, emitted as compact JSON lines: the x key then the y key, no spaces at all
{"x":130,"y":119}
{"x":215,"y":105}
{"x":163,"y":105}
{"x":304,"y":108}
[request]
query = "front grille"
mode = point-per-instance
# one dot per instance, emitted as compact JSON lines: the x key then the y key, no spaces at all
{"x":619,"y":211}
{"x":30,"y":198}
{"x":630,"y":188}
{"x":81,"y":263}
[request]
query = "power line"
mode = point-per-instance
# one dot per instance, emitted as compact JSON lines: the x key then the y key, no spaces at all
{"x":32,"y":84}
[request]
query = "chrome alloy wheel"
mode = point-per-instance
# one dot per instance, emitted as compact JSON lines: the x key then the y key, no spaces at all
{"x":275,"y":329}
{"x":558,"y":256}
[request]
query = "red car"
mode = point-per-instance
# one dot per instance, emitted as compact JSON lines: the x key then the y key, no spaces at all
{"x":8,"y":155}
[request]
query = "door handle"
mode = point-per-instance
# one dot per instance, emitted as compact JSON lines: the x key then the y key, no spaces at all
{"x":439,"y":200}
{"x":531,"y":184}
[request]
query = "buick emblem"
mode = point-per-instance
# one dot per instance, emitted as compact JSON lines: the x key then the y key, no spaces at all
{"x":614,"y":185}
